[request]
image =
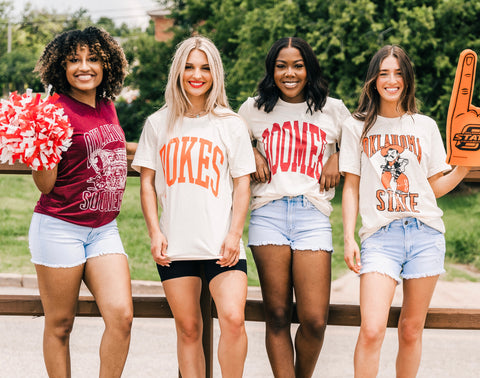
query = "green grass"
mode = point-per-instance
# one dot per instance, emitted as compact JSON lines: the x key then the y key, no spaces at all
{"x":18,"y":196}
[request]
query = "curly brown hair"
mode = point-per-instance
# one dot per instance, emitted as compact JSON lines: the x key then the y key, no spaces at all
{"x":52,"y":64}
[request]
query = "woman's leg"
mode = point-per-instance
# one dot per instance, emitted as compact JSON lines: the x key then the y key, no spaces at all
{"x":274,"y":265}
{"x":108,"y":278}
{"x":417,"y":294}
{"x":311,"y":281}
{"x":229,"y":291}
{"x":183,"y":295}
{"x":59,"y":288}
{"x":376,"y":295}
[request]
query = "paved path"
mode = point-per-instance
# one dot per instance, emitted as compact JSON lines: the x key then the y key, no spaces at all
{"x":447,"y":353}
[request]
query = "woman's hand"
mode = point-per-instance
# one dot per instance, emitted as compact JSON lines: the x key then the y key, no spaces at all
{"x":352,"y":255}
{"x":330,"y":177}
{"x":158,"y":247}
{"x":263,"y":172}
{"x":230,"y":251}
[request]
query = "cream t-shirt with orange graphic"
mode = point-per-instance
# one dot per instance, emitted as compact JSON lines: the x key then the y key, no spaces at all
{"x":194,"y":167}
{"x":394,"y":162}
{"x":296,"y":145}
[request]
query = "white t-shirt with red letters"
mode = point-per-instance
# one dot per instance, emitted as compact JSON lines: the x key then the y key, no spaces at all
{"x":296,"y":145}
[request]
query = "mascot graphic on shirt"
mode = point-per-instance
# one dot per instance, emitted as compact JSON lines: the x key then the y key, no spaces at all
{"x":110,"y":170}
{"x":393,"y":176}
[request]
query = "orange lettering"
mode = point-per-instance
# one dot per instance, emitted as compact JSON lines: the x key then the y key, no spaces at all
{"x":203,"y":161}
{"x":172,"y":144}
{"x":186,"y":159}
{"x":216,"y":152}
{"x":381,"y":203}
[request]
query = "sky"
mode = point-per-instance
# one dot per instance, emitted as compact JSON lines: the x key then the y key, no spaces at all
{"x":131,"y":12}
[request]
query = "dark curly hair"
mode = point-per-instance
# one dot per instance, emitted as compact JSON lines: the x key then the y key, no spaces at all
{"x":52,"y":64}
{"x":316,"y":89}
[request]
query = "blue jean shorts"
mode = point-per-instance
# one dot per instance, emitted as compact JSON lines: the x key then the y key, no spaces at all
{"x":406,"y":248}
{"x":292,"y":221}
{"x":59,"y":244}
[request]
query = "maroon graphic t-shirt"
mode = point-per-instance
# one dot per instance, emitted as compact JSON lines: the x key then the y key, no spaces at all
{"x":92,"y":173}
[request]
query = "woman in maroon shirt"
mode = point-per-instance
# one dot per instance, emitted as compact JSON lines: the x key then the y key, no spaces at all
{"x":73,"y":235}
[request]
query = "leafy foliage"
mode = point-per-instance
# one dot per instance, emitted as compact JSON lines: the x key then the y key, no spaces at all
{"x":344,"y":34}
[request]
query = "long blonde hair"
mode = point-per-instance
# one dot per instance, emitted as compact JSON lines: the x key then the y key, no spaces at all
{"x":176,"y":100}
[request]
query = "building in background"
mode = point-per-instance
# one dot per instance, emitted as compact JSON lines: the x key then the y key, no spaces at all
{"x":162,"y":24}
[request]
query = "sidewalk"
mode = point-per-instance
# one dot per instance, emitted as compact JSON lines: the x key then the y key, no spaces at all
{"x":446,"y":353}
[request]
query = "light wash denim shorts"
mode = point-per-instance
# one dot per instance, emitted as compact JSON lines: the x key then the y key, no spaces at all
{"x":405,"y":248}
{"x":59,"y":244}
{"x":292,"y":221}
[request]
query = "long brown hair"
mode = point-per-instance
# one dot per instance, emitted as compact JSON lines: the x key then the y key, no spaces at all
{"x":369,"y":104}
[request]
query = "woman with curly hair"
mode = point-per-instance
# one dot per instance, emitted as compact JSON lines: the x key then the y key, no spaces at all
{"x":73,"y":234}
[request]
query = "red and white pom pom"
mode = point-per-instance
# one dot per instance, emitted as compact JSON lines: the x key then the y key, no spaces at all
{"x":33,"y":130}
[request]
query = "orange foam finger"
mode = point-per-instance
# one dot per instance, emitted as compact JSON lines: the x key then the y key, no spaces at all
{"x":463,"y":121}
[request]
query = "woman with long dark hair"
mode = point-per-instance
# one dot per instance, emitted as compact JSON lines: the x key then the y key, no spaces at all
{"x":296,"y":128}
{"x":394,"y":163}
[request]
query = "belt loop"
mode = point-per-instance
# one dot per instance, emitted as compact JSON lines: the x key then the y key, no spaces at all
{"x":387,"y":226}
{"x":419,"y":224}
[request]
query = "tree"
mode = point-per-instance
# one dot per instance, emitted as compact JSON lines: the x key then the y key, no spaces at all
{"x":344,"y":34}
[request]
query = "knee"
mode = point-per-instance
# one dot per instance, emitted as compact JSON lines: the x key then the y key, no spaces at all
{"x":189,"y":330}
{"x":120,"y":319}
{"x":314,"y":327}
{"x":409,"y":332}
{"x":371,"y":335}
{"x":60,"y":327}
{"x":278,"y":319}
{"x":233,"y":323}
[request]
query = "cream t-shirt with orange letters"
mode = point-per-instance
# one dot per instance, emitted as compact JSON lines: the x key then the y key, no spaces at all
{"x":195,"y":165}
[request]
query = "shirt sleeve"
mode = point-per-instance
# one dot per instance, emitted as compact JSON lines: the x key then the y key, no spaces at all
{"x":145,"y":155}
{"x":239,"y":148}
{"x":350,"y":151}
{"x":342,"y":115}
{"x":437,"y":162}
{"x":244,"y":113}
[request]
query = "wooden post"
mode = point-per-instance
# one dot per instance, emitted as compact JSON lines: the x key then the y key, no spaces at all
{"x":206,"y":304}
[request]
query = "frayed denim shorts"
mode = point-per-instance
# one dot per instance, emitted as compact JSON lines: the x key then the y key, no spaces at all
{"x":59,"y":244}
{"x":292,"y":221}
{"x":405,"y":248}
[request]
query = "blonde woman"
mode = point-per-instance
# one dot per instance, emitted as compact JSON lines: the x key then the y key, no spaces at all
{"x":195,"y":157}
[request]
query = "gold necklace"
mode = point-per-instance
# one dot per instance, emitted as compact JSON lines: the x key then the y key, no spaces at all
{"x":196,"y":115}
